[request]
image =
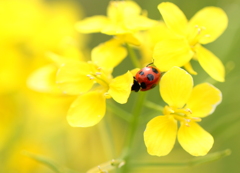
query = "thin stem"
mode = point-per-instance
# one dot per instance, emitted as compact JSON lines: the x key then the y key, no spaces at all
{"x":132,"y":129}
{"x":118,"y":111}
{"x":133,"y":56}
{"x":194,"y":162}
{"x":107,"y":138}
{"x":154,"y":106}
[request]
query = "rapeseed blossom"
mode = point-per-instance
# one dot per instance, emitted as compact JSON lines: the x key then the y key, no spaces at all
{"x":123,"y":17}
{"x":186,"y":105}
{"x":187,"y":36}
{"x":93,"y":82}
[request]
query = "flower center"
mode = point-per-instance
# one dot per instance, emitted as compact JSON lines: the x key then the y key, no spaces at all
{"x":183,"y":115}
{"x":199,"y":32}
{"x":99,"y":76}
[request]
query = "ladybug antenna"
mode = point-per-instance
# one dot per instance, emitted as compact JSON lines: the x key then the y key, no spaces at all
{"x":151,"y":64}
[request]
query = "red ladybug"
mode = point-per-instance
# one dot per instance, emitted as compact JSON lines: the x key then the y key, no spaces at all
{"x":146,"y":78}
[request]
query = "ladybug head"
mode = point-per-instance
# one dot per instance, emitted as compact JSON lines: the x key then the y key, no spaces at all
{"x":135,"y":87}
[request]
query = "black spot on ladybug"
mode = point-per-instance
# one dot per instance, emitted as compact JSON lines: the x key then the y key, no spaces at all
{"x":143,"y":85}
{"x":141,"y":73}
{"x":154,"y":70}
{"x":150,"y":77}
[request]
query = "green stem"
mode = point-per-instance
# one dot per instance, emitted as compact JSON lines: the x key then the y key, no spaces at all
{"x":154,"y":106}
{"x":118,"y":111}
{"x":132,"y":129}
{"x":133,"y":56}
{"x":106,"y":137}
{"x":194,"y":162}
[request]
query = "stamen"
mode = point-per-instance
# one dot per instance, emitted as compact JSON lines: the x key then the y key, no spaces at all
{"x":107,"y":95}
{"x":199,"y":31}
{"x":187,"y":120}
{"x":186,"y":124}
{"x":196,"y":119}
{"x":98,"y":73}
{"x":90,"y":77}
{"x":102,"y":171}
{"x":207,"y":35}
{"x":189,"y":110}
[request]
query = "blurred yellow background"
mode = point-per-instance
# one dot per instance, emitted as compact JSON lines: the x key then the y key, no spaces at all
{"x":35,"y":122}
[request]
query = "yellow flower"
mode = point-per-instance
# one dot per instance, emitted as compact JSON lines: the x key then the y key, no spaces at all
{"x":93,"y":82}
{"x":205,"y":27}
{"x":186,"y":105}
{"x":123,"y":17}
{"x":43,"y":79}
{"x":148,"y":40}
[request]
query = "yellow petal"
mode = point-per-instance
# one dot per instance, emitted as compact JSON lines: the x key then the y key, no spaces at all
{"x":159,"y":32}
{"x":210,"y":63}
{"x":87,"y":110}
{"x":120,"y":87}
{"x":204,"y":99}
{"x":160,"y":135}
{"x":139,"y":23}
{"x":92,"y":24}
{"x":72,"y":77}
{"x":212,"y":22}
{"x":173,"y":17}
{"x":115,"y":29}
{"x":118,"y":11}
{"x":59,"y":60}
{"x":172,"y":52}
{"x":189,"y":68}
{"x":109,"y":54}
{"x":134,"y":71}
{"x":176,"y":87}
{"x":194,"y":139}
{"x":44,"y":80}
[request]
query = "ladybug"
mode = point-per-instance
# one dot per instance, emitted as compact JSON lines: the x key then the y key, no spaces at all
{"x":146,"y":78}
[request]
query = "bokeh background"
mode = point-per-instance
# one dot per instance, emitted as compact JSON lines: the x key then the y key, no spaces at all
{"x":35,"y":122}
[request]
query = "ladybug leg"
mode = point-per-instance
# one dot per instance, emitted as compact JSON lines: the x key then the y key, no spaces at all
{"x":135,"y":87}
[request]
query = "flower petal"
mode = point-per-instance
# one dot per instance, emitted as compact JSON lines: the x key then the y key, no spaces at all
{"x":160,"y":135}
{"x":72,"y":77}
{"x":115,"y":29}
{"x":139,"y":23}
{"x":59,"y":60}
{"x":189,"y":68}
{"x":87,"y":110}
{"x":92,"y":24}
{"x":210,"y":63}
{"x":134,"y":71}
{"x":120,"y":87}
{"x":109,"y":54}
{"x":172,"y":52}
{"x":117,"y":11}
{"x":44,"y":80}
{"x":211,"y":20}
{"x":173,"y":17}
{"x":176,"y":87}
{"x":158,"y":33}
{"x":204,"y":99}
{"x":194,"y":139}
